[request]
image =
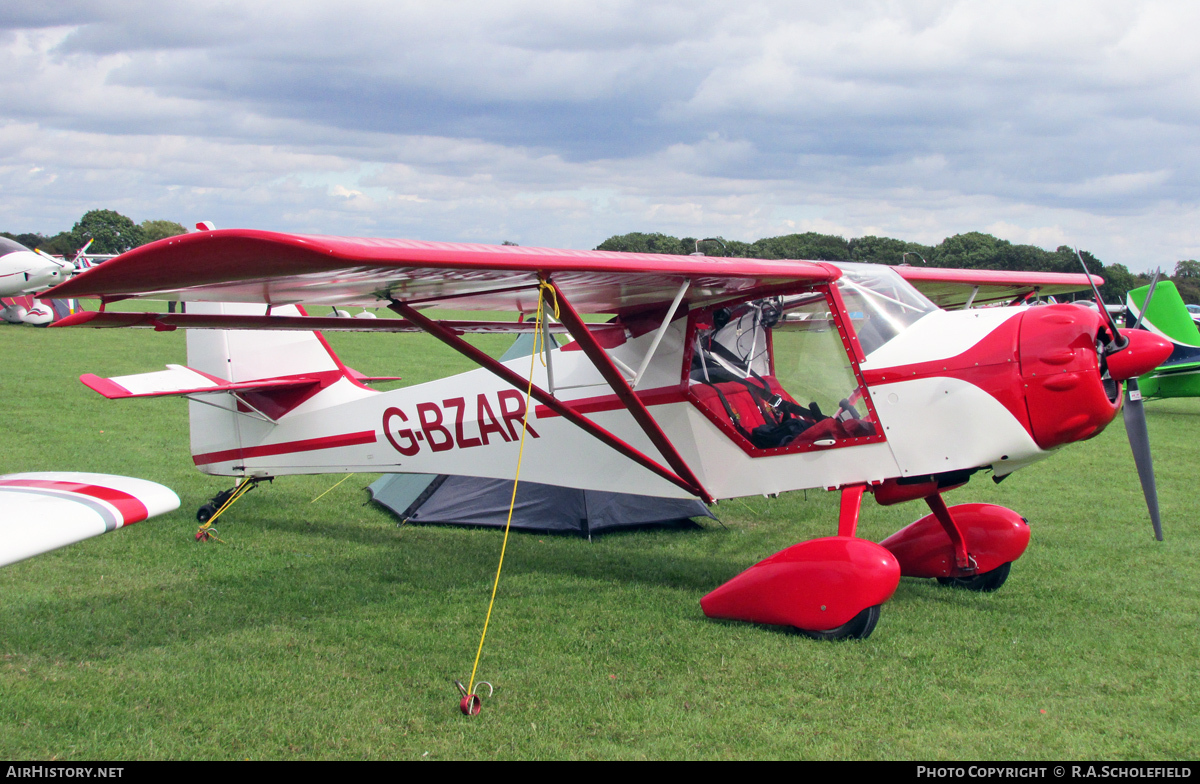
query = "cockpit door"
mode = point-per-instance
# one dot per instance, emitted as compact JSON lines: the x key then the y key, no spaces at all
{"x":781,"y":375}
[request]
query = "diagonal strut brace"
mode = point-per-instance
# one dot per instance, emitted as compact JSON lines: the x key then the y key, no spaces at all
{"x":455,"y":342}
{"x":599,"y":357}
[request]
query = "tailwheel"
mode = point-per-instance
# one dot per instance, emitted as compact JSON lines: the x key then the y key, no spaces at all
{"x":984,"y":583}
{"x":204,"y":513}
{"x":221,"y":499}
{"x":858,"y":628}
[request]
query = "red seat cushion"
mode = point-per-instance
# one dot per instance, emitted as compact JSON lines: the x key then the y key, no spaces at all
{"x":741,"y":400}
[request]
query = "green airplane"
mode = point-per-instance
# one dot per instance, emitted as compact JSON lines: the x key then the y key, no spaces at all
{"x":1168,"y":317}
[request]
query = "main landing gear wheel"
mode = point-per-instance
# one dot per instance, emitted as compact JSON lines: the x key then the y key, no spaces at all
{"x":857,"y":628}
{"x":984,"y":583}
{"x":205,"y":512}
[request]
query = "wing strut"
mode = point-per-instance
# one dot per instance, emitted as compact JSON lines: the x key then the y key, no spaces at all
{"x":658,"y":336}
{"x":685,"y":480}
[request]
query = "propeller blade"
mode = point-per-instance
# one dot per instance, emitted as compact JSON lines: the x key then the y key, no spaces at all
{"x":59,"y":262}
{"x":1139,"y":442}
{"x":1117,"y":343}
{"x":1149,"y":296}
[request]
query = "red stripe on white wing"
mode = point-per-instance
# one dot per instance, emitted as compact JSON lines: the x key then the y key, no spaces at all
{"x":129,"y":507}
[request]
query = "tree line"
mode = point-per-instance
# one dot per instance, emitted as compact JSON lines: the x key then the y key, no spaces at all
{"x":110,"y":232}
{"x":973,"y":250}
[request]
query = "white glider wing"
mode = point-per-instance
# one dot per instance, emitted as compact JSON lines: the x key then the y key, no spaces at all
{"x":43,"y":511}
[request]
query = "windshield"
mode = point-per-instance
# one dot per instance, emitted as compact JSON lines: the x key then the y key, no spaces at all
{"x":881,"y":304}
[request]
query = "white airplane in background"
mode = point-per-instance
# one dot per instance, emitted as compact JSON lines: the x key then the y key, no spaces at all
{"x":24,"y":272}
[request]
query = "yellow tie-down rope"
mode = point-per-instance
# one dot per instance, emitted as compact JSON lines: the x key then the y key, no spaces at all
{"x":330,"y":490}
{"x":206,"y":531}
{"x":470,"y":702}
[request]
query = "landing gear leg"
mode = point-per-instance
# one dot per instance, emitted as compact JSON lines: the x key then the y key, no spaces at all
{"x":937,"y":545}
{"x":963,"y":562}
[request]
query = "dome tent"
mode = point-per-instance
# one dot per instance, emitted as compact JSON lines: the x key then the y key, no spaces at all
{"x":464,"y":500}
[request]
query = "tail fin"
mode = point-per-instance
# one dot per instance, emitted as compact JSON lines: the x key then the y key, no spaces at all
{"x":1166,"y":316}
{"x":223,"y":425}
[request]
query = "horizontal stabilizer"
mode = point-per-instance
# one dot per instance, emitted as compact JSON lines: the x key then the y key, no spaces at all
{"x":43,"y":511}
{"x":180,"y":380}
{"x":362,"y":378}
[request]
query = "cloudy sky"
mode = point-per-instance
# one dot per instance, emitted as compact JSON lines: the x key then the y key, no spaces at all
{"x":557,"y":123}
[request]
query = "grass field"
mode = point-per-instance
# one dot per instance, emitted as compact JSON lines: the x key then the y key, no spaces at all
{"x":323,"y":630}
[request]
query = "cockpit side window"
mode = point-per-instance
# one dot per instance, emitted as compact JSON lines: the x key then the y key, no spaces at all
{"x":776,"y":375}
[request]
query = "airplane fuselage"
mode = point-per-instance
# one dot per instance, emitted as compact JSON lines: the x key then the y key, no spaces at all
{"x":948,"y":394}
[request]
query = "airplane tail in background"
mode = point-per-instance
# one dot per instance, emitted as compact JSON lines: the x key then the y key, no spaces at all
{"x":1167,"y":316}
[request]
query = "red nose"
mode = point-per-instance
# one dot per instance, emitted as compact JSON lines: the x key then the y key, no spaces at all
{"x":1060,"y":374}
{"x":1145,"y":352}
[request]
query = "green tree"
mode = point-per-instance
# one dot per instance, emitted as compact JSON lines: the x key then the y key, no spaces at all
{"x":885,"y":250}
{"x":733,"y":249}
{"x":160,"y":229}
{"x":1063,"y":259}
{"x":637,"y":242}
{"x":973,"y":250}
{"x":60,"y":244}
{"x":65,"y":243}
{"x":809,"y":245}
{"x":1118,"y":280}
{"x":1189,"y":269}
{"x":112,"y":232}
{"x":30,"y":241}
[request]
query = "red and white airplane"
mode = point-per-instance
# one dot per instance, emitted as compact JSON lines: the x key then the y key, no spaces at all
{"x":713,"y":378}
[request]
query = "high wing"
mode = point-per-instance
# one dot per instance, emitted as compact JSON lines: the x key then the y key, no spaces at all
{"x":43,"y":511}
{"x":951,"y":289}
{"x":241,"y":265}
